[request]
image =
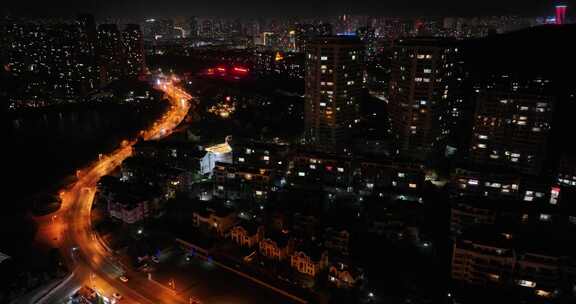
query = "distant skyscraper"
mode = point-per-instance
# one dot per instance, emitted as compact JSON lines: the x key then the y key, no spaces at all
{"x":561,"y":14}
{"x":134,"y":48}
{"x":421,"y":96}
{"x":333,"y":89}
{"x":307,"y":32}
{"x":194,"y":27}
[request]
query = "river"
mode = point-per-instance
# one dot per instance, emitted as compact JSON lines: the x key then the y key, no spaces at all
{"x":44,"y":148}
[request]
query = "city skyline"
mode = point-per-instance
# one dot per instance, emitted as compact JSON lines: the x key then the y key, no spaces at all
{"x":346,"y":159}
{"x":412,"y":8}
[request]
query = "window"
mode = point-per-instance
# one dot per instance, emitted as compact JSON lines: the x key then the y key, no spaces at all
{"x":301,"y":174}
{"x":473,"y":182}
{"x":427,"y":71}
{"x":241,"y":159}
{"x":340,"y":169}
{"x":266,"y":157}
{"x":323,"y":58}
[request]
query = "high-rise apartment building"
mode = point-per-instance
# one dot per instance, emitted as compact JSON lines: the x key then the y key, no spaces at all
{"x":110,"y":54}
{"x":422,"y":94}
{"x":334,"y":69}
{"x":511,"y":129}
{"x":134,"y":49}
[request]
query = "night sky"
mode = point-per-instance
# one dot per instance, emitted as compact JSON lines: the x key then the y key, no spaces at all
{"x":132,"y":8}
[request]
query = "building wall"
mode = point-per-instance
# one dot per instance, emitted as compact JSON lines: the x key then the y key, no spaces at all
{"x":333,"y":89}
{"x":511,"y":129}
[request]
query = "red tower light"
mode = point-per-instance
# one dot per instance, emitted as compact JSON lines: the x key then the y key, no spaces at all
{"x":561,"y":14}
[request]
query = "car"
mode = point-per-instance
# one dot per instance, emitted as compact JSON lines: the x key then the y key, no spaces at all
{"x":117,"y":296}
{"x":123,"y":278}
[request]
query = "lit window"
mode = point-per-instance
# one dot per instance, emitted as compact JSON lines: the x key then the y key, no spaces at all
{"x":266,"y":157}
{"x":323,"y":58}
{"x":482,"y":137}
{"x":312,"y":166}
{"x":340,"y":169}
{"x":353,"y":57}
{"x":412,"y":185}
{"x":241,"y":159}
{"x":259,"y":193}
{"x":427,"y":71}
{"x":473,"y":182}
{"x":322,"y":104}
{"x":482,"y":146}
{"x":220,"y":188}
{"x":544,"y":217}
{"x":248,"y":151}
{"x":301,"y":174}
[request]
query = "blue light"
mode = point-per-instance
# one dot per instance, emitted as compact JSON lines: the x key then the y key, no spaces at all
{"x":346,"y":34}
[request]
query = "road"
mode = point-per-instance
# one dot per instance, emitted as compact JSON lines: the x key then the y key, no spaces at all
{"x":70,"y":227}
{"x":94,"y":265}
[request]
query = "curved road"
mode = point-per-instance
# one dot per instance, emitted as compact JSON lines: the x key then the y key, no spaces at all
{"x":70,"y":227}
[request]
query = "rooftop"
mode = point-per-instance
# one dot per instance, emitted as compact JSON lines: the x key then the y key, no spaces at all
{"x":222,"y":148}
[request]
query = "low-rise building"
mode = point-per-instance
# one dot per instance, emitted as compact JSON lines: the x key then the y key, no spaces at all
{"x":342,"y":274}
{"x":534,"y":258}
{"x":237,"y":182}
{"x":309,"y":259}
{"x":214,"y":219}
{"x":260,"y":155}
{"x":319,"y":169}
{"x":131,"y":203}
{"x":247,"y":234}
{"x":276,"y":246}
{"x":483,"y":258}
{"x":221,"y":153}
